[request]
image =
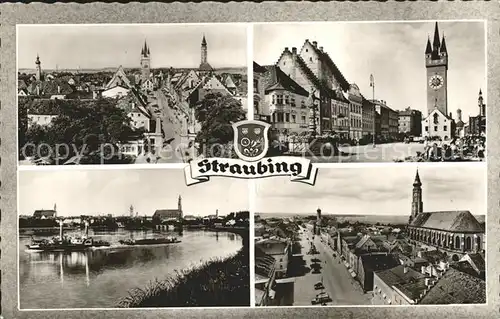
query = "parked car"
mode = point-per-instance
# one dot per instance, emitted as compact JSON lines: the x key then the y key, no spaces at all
{"x":321,"y":298}
{"x":318,"y":286}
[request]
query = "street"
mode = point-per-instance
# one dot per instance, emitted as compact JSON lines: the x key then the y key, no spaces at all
{"x":369,"y":154}
{"x":338,"y":283}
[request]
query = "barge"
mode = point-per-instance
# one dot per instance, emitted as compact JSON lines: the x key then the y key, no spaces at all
{"x":150,"y":241}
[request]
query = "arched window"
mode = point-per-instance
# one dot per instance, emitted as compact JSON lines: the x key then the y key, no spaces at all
{"x":436,"y":120}
{"x":468,"y":243}
{"x":457,"y":242}
{"x":478,"y":243}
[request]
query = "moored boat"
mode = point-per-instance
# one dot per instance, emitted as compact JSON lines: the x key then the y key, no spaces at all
{"x":150,"y":241}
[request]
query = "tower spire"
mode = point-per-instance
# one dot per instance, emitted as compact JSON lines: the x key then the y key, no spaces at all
{"x":428,"y":48}
{"x":204,"y":41}
{"x":417,"y":181}
{"x":436,"y":43}
{"x":443,"y":46}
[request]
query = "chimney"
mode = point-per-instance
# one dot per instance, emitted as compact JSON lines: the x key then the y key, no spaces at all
{"x":451,"y":115}
{"x":294,"y":50}
{"x":321,"y":49}
{"x":315,"y":43}
{"x":286,"y":49}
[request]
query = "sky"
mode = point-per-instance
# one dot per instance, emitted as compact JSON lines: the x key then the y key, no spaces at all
{"x":393,"y":53}
{"x":78,"y":192}
{"x":383,"y":190}
{"x":103,"y":46}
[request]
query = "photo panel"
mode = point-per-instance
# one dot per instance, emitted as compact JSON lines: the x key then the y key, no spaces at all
{"x":401,"y":91}
{"x":403,"y":235}
{"x":129,"y":94}
{"x":102,"y":239}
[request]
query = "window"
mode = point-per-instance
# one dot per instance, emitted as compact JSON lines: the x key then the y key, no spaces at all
{"x":287,"y":117}
{"x":293,"y":118}
{"x":292,"y":100}
{"x":286,"y":99}
{"x":444,"y":128}
{"x":435,"y":128}
{"x":280,"y":117}
{"x":303,"y":104}
{"x":311,"y":59}
{"x":427,"y":129}
{"x":303,"y":119}
{"x":280,"y":99}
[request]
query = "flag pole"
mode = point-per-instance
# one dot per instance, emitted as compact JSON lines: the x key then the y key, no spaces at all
{"x":372,"y":84}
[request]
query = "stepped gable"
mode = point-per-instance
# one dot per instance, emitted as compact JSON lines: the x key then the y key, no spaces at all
{"x":302,"y":64}
{"x":335,"y":70}
{"x":454,"y":221}
{"x":456,"y":287}
{"x":277,"y":79}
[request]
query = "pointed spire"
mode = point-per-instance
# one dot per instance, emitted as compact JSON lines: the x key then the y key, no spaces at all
{"x":145,"y":50}
{"x":480,"y":93}
{"x":204,"y":41}
{"x":428,"y":48}
{"x":436,"y":43}
{"x":417,"y":181}
{"x":443,"y":46}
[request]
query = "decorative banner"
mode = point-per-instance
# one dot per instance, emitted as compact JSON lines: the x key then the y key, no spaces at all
{"x":298,"y":168}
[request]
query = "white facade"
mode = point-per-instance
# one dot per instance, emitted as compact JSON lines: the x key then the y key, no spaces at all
{"x":139,"y":120}
{"x":437,"y":124}
{"x":40,"y":119}
{"x":288,"y":111}
{"x":115,"y":92}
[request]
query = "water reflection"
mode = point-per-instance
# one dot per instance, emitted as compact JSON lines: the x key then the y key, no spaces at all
{"x":100,"y":277}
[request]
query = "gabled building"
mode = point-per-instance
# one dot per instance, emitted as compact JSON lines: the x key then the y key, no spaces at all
{"x":454,"y":232}
{"x":400,"y":285}
{"x":280,"y":250}
{"x":163,"y":215}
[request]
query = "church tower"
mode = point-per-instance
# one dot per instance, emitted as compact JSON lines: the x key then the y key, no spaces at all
{"x":55,"y":210}
{"x":480,"y":103}
{"x":179,"y":204}
{"x":145,"y":62}
{"x":204,"y":51}
{"x":38,"y":74}
{"x":436,"y":62}
{"x":416,"y":205}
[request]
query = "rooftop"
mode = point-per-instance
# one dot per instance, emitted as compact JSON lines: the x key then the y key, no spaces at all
{"x":457,"y":221}
{"x":456,"y":287}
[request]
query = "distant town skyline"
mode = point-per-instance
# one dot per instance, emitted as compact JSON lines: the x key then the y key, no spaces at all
{"x":376,"y":191}
{"x":394,"y":53}
{"x":94,"y":192}
{"x":108,"y":46}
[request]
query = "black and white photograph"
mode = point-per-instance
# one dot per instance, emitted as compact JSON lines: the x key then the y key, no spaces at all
{"x":105,"y":239}
{"x":402,"y":235}
{"x":129,"y":94}
{"x":373,"y":91}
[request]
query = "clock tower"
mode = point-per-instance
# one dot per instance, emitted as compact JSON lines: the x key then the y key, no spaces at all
{"x":417,"y":205}
{"x":436,"y":62}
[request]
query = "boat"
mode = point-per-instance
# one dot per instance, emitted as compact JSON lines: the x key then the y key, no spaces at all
{"x":67,"y":243}
{"x":150,"y":241}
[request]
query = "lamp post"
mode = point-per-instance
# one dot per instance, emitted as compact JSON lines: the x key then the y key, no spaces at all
{"x":372,"y":84}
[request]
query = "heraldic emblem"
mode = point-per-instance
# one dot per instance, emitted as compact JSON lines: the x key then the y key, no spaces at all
{"x":250,"y":139}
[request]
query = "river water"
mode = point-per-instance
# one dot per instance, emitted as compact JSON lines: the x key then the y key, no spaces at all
{"x":100,"y":278}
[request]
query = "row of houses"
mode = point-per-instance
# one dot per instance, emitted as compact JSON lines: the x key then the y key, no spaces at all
{"x":398,"y":273}
{"x":285,"y":92}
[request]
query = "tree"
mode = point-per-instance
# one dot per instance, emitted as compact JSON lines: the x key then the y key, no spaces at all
{"x":92,"y":129}
{"x":217,"y":113}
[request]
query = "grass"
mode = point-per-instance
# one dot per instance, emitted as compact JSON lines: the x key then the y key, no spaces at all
{"x":218,"y":282}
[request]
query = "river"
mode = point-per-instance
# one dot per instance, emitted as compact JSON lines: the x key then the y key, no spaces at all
{"x":99,"y":278}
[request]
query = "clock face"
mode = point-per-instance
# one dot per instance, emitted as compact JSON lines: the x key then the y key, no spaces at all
{"x":436,"y":82}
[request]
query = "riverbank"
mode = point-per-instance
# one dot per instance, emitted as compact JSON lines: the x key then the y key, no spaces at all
{"x":218,"y":282}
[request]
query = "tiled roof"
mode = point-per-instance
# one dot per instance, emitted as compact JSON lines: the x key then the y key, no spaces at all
{"x":277,"y":79}
{"x":335,"y":70}
{"x":434,"y":256}
{"x":378,"y":262}
{"x":397,"y":275}
{"x":478,"y":260}
{"x":258,"y":68}
{"x":456,"y":221}
{"x":466,"y":267}
{"x":44,"y":213}
{"x":312,"y":77}
{"x":264,"y":263}
{"x":205,"y":67}
{"x":412,"y":289}
{"x":167,"y":213}
{"x":456,"y":287}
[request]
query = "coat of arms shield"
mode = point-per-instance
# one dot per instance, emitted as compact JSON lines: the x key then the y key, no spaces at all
{"x":250,"y":139}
